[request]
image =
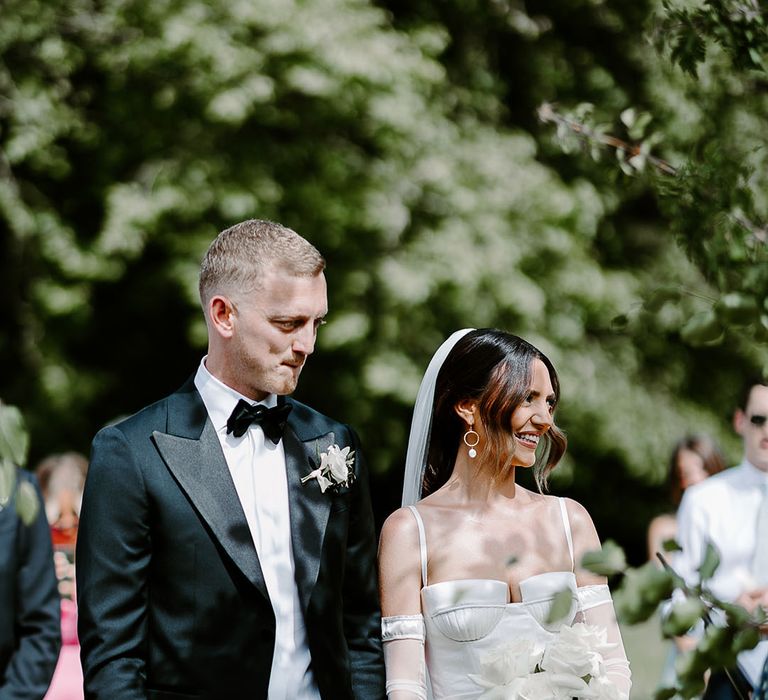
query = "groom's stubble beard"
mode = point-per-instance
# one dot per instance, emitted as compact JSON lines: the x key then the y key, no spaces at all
{"x":265,"y":374}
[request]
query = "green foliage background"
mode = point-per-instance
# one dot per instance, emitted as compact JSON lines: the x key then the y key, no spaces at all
{"x":401,"y":138}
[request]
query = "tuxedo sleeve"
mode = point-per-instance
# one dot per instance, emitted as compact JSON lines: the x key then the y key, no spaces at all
{"x":35,"y":611}
{"x":113,"y":551}
{"x":362,"y":612}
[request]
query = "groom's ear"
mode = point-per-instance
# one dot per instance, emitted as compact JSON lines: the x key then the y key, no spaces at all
{"x":466,"y":410}
{"x":220,"y":313}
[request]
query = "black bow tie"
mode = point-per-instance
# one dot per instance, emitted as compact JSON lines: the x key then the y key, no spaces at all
{"x":271,"y":420}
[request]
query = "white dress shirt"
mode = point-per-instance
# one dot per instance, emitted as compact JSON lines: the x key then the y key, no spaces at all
{"x":258,"y":468}
{"x":723,"y":510}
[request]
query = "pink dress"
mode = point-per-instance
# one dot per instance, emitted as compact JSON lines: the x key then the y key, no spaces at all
{"x":67,"y":681}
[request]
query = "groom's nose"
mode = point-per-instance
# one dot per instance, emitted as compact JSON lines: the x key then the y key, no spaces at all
{"x":304,"y":340}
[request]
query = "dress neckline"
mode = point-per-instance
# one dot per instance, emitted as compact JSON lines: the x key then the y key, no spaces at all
{"x":566,"y":575}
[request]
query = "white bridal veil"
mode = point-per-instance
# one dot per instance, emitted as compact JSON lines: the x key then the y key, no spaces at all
{"x":421,"y":423}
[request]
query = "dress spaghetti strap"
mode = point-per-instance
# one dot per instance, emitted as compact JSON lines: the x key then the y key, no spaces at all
{"x":568,"y":535}
{"x":423,"y":544}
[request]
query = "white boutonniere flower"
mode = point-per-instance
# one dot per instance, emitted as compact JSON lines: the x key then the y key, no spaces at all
{"x":335,"y":468}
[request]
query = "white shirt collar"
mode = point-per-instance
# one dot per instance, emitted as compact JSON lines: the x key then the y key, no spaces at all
{"x":220,"y":399}
{"x":753,"y":475}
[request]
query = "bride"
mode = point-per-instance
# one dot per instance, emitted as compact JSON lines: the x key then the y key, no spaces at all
{"x":473,"y":561}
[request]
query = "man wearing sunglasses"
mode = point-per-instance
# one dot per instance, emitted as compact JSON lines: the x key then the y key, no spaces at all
{"x":730,"y":510}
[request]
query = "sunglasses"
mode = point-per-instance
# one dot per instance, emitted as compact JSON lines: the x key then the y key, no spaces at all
{"x":758,"y":420}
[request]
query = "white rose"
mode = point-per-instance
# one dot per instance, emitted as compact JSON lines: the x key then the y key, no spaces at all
{"x":592,"y":636}
{"x":508,"y":661}
{"x":335,"y":462}
{"x":570,"y":659}
{"x":569,"y":685}
{"x":604,"y":689}
{"x":578,"y":650}
{"x":324,"y":483}
{"x":542,"y":686}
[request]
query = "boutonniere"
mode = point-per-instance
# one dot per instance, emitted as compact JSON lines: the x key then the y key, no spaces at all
{"x":335,"y":468}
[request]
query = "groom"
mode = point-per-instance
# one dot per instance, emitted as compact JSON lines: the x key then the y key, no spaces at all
{"x":208,"y":566}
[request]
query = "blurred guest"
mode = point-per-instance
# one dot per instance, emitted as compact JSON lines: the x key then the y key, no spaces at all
{"x":30,"y":636}
{"x":62,"y":477}
{"x":693,"y":459}
{"x":730,"y":511}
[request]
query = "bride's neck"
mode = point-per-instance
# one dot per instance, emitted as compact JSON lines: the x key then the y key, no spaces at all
{"x":474,"y":482}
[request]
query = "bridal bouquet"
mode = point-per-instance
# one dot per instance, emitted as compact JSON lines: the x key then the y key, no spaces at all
{"x":570,"y":666}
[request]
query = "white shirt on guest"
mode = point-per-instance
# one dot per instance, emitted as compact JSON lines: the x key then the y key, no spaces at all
{"x":258,"y":470}
{"x":723,"y":510}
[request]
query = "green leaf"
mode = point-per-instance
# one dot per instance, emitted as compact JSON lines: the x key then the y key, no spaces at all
{"x":661,"y":296}
{"x":746,"y":639}
{"x":735,"y":614}
{"x":664,"y":694}
{"x":637,"y":130}
{"x":620,"y":322}
{"x":760,"y":615}
{"x":757,"y":59}
{"x":716,"y":647}
{"x":7,"y":481}
{"x":606,"y":561}
{"x":761,"y":329}
{"x":709,"y":563}
{"x":14,"y":440}
{"x":714,"y":641}
{"x":703,"y":328}
{"x":690,"y":669}
{"x":626,"y":168}
{"x":671,"y":546}
{"x":561,"y":605}
{"x":27,"y":505}
{"x":683,"y":615}
{"x":638,"y":162}
{"x":641,"y":591}
{"x":583,"y":111}
{"x":628,"y":117}
{"x":693,"y":687}
{"x":737,"y":309}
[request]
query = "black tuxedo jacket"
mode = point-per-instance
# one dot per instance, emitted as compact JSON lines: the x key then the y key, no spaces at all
{"x":172,"y":600}
{"x":30,"y":631}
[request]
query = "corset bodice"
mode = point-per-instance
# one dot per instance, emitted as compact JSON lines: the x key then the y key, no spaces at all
{"x":469,"y":618}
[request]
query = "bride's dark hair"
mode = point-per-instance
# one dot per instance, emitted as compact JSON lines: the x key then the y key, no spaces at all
{"x":495,"y":369}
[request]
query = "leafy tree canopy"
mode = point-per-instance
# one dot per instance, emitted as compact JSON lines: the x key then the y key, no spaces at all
{"x":401,"y":140}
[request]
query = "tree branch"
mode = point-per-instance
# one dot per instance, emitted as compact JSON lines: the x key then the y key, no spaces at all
{"x":548,"y":114}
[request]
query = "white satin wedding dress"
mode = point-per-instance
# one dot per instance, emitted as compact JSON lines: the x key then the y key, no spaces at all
{"x":464,"y":620}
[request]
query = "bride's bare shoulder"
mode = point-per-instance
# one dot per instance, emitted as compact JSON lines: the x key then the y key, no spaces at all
{"x":582,"y":527}
{"x":400,"y":526}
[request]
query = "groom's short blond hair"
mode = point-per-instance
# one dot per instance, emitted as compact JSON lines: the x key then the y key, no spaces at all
{"x":239,"y":256}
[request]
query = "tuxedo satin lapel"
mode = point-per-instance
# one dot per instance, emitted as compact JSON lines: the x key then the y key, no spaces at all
{"x":309,"y":508}
{"x":199,"y":467}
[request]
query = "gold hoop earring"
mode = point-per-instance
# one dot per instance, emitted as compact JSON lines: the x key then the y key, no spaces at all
{"x":471,"y":445}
